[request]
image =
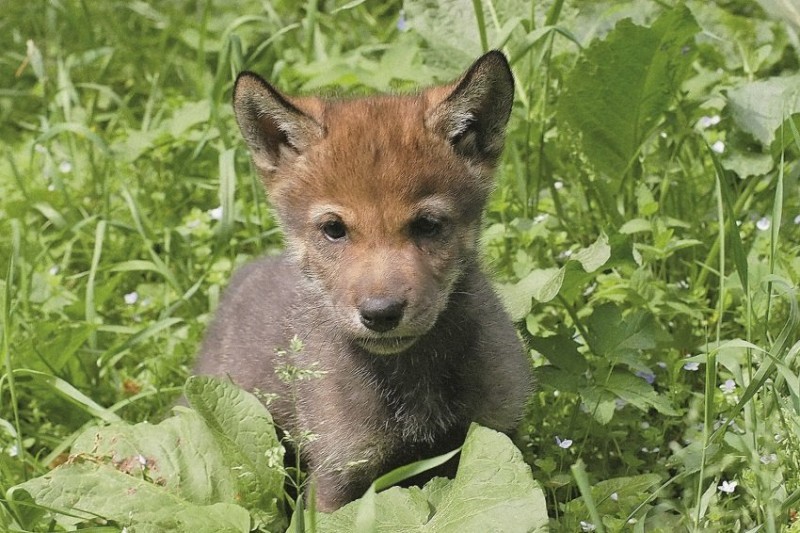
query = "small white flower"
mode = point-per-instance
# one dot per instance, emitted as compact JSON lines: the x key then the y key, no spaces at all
{"x":566,"y":443}
{"x":763,"y":223}
{"x":131,"y":298}
{"x":707,"y":122}
{"x":587,"y":526}
{"x":142,"y":460}
{"x":663,"y":134}
{"x":541,"y":218}
{"x":53,"y":270}
{"x":692,"y":367}
{"x":644,"y":425}
{"x":661,"y":364}
{"x":51,"y":187}
{"x":65,"y":167}
{"x":768,"y":458}
{"x":718,"y":147}
{"x":13,"y":451}
{"x":556,"y":393}
{"x":728,"y":387}
{"x":558,"y":185}
{"x":614,"y":497}
{"x":797,"y":219}
{"x":216,"y":213}
{"x":728,"y":487}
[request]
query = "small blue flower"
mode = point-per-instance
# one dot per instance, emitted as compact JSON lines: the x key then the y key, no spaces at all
{"x":647,"y":376}
{"x":566,"y":443}
{"x":402,"y":25}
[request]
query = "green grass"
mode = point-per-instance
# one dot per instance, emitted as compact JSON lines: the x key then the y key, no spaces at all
{"x":667,"y":355}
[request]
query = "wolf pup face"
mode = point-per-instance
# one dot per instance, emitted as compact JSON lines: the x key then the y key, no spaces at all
{"x":380,"y":197}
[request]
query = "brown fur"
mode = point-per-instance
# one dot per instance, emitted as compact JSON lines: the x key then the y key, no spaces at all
{"x":380,"y":199}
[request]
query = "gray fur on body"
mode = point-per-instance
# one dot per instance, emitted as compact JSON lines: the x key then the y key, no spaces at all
{"x":370,"y":413}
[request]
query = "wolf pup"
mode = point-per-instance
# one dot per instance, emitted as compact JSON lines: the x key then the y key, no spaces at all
{"x":380,"y":199}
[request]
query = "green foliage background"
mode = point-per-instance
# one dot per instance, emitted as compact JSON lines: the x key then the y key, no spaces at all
{"x":645,"y":230}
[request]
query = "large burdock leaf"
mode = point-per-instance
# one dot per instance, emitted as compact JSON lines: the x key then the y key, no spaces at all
{"x":493,"y":491}
{"x":88,"y":490}
{"x":214,"y":468}
{"x":760,"y":107}
{"x":618,"y":92}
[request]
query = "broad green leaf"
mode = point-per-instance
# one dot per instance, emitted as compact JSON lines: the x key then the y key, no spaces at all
{"x":561,"y":351}
{"x":558,"y":379}
{"x":87,"y":489}
{"x":638,"y":392}
{"x":225,"y":453}
{"x":517,"y":296}
{"x":613,"y":335}
{"x":636,"y":225}
{"x":493,"y":490}
{"x":599,"y":402}
{"x":618,"y":92}
{"x":746,"y":164}
{"x":595,"y":255}
{"x":760,"y":107}
{"x":546,"y":283}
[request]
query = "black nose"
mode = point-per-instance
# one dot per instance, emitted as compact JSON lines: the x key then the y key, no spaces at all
{"x":381,"y":314}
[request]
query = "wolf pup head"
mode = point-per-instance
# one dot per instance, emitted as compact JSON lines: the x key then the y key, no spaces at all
{"x":381,"y":197}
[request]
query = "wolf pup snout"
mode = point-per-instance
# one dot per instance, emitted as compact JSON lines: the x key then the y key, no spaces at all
{"x":380,"y":199}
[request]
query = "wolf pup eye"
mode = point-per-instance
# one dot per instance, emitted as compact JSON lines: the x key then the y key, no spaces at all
{"x":426,"y":227}
{"x":334,"y":230}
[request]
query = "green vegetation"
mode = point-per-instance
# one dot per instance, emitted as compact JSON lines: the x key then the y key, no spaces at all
{"x":645,"y":233}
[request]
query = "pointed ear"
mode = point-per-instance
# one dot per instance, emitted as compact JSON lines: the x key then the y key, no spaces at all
{"x":473,"y":115}
{"x":273,"y":127}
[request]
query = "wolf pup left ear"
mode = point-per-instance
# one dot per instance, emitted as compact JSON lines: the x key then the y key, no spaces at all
{"x":473,"y":116}
{"x":274,"y":127}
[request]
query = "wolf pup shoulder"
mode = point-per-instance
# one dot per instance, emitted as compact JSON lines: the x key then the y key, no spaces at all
{"x":380,"y":199}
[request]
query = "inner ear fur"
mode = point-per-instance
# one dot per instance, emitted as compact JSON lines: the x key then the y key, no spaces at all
{"x":274,"y":126}
{"x":473,"y":112}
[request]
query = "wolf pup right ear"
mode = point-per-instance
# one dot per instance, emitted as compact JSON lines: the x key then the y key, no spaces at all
{"x":275,"y":127}
{"x":473,"y":116}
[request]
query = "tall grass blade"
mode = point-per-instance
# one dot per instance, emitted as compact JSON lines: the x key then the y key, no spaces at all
{"x":227,"y":193}
{"x":582,"y":480}
{"x":477,"y":6}
{"x":365,"y":520}
{"x":90,"y":311}
{"x":5,"y":335}
{"x":71,"y":394}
